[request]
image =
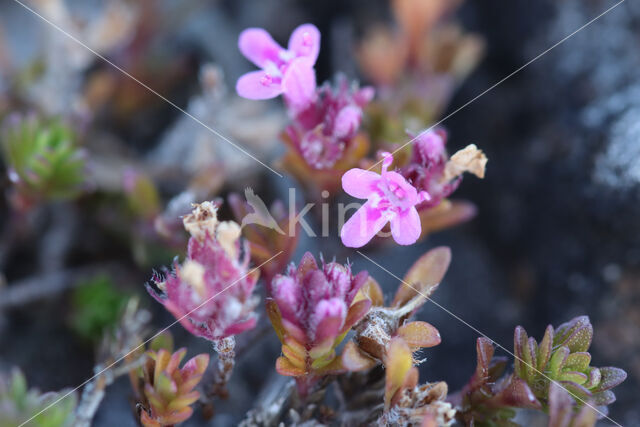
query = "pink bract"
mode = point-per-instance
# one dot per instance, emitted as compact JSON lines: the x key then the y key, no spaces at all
{"x":390,"y":198}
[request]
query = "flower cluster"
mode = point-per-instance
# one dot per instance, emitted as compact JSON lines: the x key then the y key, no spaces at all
{"x":312,"y":310}
{"x":210,"y":293}
{"x":322,"y":132}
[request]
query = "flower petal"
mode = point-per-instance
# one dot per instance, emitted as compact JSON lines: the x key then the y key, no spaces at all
{"x":305,"y":41}
{"x":362,"y":226}
{"x":406,"y":227}
{"x":258,"y":46}
{"x":359,"y":183}
{"x":255,"y":85}
{"x":299,"y":84}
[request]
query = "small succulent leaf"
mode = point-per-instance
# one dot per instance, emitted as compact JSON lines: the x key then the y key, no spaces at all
{"x":576,"y":390}
{"x":355,"y":360}
{"x":445,"y":215}
{"x":323,"y":361}
{"x":484,"y":351}
{"x":520,"y":340}
{"x":148,"y":421}
{"x":334,"y":368}
{"x":517,"y":394}
{"x":533,"y":349}
{"x":560,"y":406}
{"x":575,"y":334}
{"x":296,"y":359}
{"x":576,"y":377}
{"x":557,"y":361}
{"x":611,"y":377}
{"x":578,"y":361}
{"x":321,"y":349}
{"x":594,"y":378}
{"x":587,"y":416}
{"x":398,"y":362}
{"x":355,"y":314}
{"x":604,"y":398}
{"x":155,"y":400}
{"x":286,"y":368}
{"x":419,"y":334}
{"x":165,"y":386}
{"x":295,"y":346}
{"x":372,"y":291}
{"x":162,"y":358}
{"x":195,"y":366}
{"x":177,"y":417}
{"x":276,"y":318}
{"x":175,"y":360}
{"x":183,"y":400}
{"x":424,"y":276}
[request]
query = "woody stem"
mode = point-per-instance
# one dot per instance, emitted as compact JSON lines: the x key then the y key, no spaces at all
{"x":226,"y":360}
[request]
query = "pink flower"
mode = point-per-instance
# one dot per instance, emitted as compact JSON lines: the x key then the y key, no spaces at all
{"x":284,"y":71}
{"x":390,"y":198}
{"x":432,"y":170}
{"x":210,"y":293}
{"x":427,"y":165}
{"x":322,"y":131}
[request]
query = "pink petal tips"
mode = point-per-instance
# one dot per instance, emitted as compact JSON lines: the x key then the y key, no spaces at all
{"x":390,"y":198}
{"x":284,"y":71}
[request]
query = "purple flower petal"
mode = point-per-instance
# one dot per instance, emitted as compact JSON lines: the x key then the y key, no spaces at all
{"x":299,"y":84}
{"x":257,"y":85}
{"x":258,"y":46}
{"x":362,"y":226}
{"x":360,"y":183}
{"x":406,"y":227}
{"x":305,"y":42}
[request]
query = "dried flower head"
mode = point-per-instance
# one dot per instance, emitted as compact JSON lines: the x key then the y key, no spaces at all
{"x":312,"y":310}
{"x":211,"y":292}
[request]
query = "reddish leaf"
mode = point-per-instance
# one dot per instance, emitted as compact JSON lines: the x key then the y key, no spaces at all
{"x":419,"y":334}
{"x":424,"y":276}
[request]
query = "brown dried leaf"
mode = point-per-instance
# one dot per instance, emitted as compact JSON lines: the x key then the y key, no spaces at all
{"x":469,"y":159}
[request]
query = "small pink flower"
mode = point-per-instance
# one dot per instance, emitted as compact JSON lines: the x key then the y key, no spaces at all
{"x":390,"y":198}
{"x":284,"y":71}
{"x":425,"y":169}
